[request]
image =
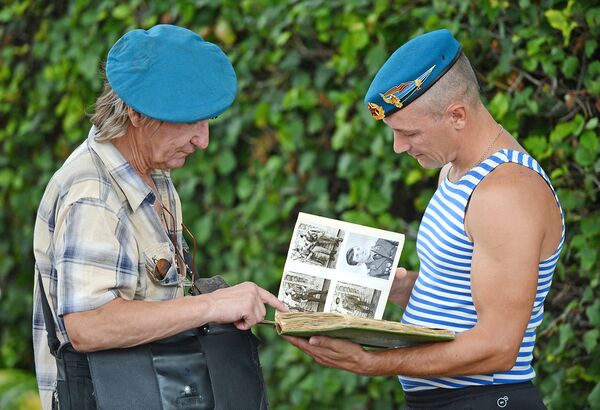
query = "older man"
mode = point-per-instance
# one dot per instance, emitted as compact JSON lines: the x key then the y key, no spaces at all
{"x":108,"y":235}
{"x":488,"y":242}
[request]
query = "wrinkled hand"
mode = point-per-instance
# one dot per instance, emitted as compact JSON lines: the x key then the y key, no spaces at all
{"x":243,"y":305}
{"x":336,"y":353}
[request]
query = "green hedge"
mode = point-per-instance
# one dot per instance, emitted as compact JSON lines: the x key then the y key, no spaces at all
{"x":298,"y":138}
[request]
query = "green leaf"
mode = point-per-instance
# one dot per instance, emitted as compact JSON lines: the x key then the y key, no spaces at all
{"x":594,"y":397}
{"x":565,"y":335}
{"x":592,"y":123}
{"x":592,"y":17}
{"x":588,"y":258}
{"x":537,"y":146}
{"x":571,"y":199}
{"x":226,"y":162}
{"x":560,"y":20}
{"x":570,"y":66}
{"x":377,"y":203}
{"x":413,"y":176}
{"x":590,"y":227}
{"x":589,"y":140}
{"x":224,"y":32}
{"x":261,"y":114}
{"x":245,"y":187}
{"x":590,"y":47}
{"x":499,"y":105}
{"x":340,"y":135}
{"x":585,"y":157}
{"x":358,"y":217}
{"x":283,"y":38}
{"x":530,"y":64}
{"x":122,"y":11}
{"x":561,"y":131}
{"x":534,"y":46}
{"x":593,"y":313}
{"x":376,"y":57}
{"x":588,"y":295}
{"x":590,"y":339}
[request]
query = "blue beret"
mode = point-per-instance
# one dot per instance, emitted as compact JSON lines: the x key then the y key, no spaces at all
{"x":410,"y":71}
{"x":171,"y":74}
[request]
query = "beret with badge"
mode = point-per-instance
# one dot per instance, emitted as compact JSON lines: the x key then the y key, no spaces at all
{"x":171,"y":74}
{"x":410,"y":71}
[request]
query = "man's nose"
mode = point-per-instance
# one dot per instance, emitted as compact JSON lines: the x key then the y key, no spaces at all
{"x":200,"y":138}
{"x":400,"y":144}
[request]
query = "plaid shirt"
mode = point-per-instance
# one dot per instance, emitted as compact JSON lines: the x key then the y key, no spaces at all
{"x":97,"y":237}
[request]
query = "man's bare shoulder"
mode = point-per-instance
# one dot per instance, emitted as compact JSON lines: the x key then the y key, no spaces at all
{"x":512,"y":182}
{"x":515,"y":195}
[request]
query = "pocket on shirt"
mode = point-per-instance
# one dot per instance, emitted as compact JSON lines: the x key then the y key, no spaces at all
{"x":160,"y":259}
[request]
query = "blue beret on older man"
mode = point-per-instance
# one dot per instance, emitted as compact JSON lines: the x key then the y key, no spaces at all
{"x":410,"y":71}
{"x":171,"y":74}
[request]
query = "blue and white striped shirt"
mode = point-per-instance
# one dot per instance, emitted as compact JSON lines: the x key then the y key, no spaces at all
{"x":441,"y":297}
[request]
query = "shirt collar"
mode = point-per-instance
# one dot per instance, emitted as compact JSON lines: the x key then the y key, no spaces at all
{"x":122,"y":173}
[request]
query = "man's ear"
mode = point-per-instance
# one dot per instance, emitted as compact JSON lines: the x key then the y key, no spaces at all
{"x":135,"y":117}
{"x":457,"y":113}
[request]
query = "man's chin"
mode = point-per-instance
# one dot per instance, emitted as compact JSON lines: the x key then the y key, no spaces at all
{"x":428,"y":163}
{"x":176,"y":163}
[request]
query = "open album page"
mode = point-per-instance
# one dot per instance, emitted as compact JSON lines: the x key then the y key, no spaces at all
{"x":336,"y":266}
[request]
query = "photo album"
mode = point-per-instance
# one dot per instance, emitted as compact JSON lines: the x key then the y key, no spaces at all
{"x":336,"y":281}
{"x":335,"y":266}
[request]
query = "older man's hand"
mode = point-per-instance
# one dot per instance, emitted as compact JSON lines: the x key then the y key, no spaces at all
{"x":243,"y":305}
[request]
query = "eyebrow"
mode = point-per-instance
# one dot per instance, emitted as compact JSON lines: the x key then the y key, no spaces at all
{"x":402,"y":130}
{"x":406,"y":131}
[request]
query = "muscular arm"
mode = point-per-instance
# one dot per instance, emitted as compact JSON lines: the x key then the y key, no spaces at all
{"x":509,"y":230}
{"x":125,"y":323}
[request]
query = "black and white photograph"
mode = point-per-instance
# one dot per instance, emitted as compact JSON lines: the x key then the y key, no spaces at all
{"x":303,"y":293}
{"x":368,"y":255}
{"x":316,"y":245}
{"x":349,"y":299}
{"x":324,"y":252}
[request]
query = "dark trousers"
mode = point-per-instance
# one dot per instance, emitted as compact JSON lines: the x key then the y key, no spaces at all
{"x":516,"y":396}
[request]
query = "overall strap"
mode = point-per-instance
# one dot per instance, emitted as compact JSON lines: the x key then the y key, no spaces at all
{"x":53,"y":342}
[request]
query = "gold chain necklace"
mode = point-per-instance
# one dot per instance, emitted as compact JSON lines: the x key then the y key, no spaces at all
{"x":491,"y":144}
{"x":484,"y":152}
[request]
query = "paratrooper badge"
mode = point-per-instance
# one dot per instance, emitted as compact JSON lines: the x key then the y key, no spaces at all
{"x":399,"y":94}
{"x":376,"y":111}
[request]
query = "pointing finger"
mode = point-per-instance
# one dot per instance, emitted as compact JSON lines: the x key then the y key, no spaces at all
{"x":270,"y":299}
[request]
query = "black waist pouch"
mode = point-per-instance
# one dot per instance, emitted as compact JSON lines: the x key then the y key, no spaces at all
{"x":216,"y":367}
{"x":213,"y":368}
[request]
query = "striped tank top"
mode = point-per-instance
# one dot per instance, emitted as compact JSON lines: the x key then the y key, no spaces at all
{"x":441,"y":297}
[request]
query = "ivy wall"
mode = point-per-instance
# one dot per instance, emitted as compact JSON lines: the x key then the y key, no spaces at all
{"x":298,"y":138}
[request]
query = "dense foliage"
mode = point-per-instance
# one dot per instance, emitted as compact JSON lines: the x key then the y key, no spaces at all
{"x":299,"y":138}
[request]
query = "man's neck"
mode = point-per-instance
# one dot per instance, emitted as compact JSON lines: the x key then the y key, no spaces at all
{"x":130,"y":147}
{"x":479,"y":140}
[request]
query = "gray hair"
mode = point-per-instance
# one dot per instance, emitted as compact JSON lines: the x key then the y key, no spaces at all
{"x":111,"y":117}
{"x":459,"y":84}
